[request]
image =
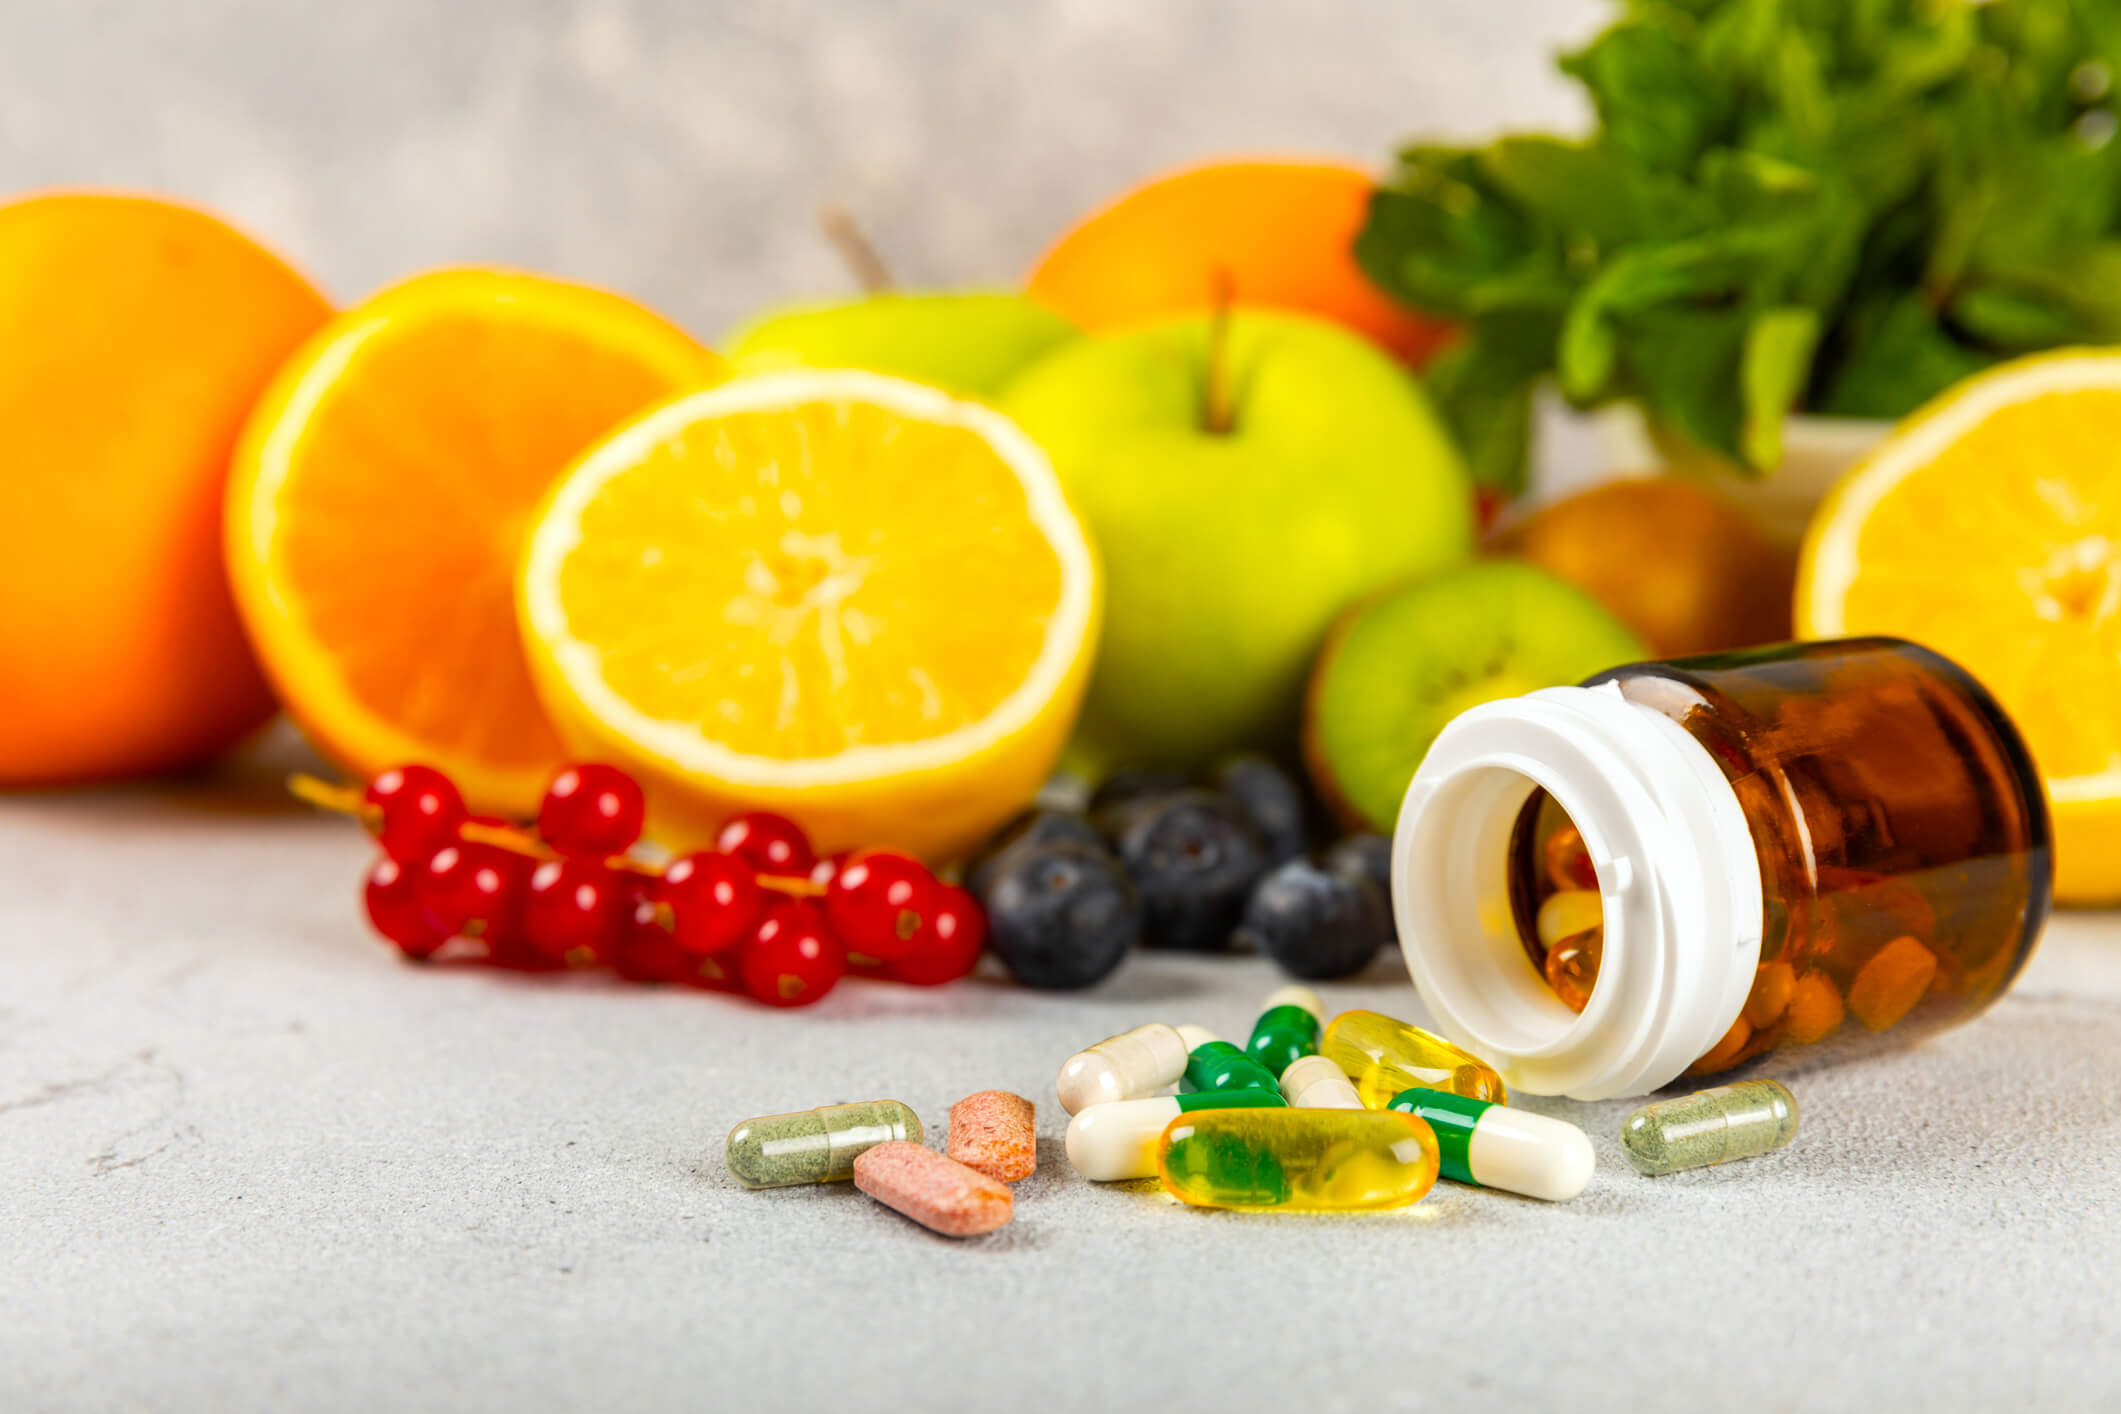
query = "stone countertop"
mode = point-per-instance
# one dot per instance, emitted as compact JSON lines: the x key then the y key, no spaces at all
{"x":252,"y":1162}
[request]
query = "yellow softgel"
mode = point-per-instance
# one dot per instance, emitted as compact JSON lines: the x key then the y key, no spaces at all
{"x":1331,"y":1161}
{"x":1384,"y":1055}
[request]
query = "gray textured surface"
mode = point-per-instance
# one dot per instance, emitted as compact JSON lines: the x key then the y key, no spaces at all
{"x":247,"y":1162}
{"x":252,"y":1163}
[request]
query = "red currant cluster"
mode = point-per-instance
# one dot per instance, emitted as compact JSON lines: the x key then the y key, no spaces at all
{"x":759,"y":913}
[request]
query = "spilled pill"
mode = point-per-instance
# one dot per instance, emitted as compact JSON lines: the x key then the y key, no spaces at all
{"x":814,"y":1146}
{"x":1123,"y":1067}
{"x":992,"y":1132}
{"x":1107,"y":1143}
{"x":1495,"y":1146}
{"x":1315,"y":1083}
{"x":1287,"y":1029}
{"x":939,"y":1193}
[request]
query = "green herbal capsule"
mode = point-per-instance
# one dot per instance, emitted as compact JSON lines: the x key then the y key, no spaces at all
{"x":814,"y":1146}
{"x":1708,"y":1127}
{"x":1287,"y":1029}
{"x":1215,"y":1064}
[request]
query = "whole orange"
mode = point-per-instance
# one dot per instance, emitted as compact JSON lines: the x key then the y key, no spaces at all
{"x":1281,"y":230}
{"x":134,"y":336}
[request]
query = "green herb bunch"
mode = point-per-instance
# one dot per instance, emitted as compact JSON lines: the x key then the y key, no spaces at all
{"x":1834,"y":206}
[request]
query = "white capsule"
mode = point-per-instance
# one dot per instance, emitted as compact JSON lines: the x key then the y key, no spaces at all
{"x":1315,"y":1083}
{"x":1196,"y":1036}
{"x":1521,"y":1152}
{"x":1123,"y":1067}
{"x":1496,"y":1146}
{"x":1295,"y":996}
{"x":1107,"y":1143}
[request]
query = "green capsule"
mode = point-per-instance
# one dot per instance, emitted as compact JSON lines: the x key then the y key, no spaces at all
{"x":1215,"y":1064}
{"x":814,"y":1146}
{"x":1708,"y":1127}
{"x":1495,"y":1146}
{"x":1287,"y":1029}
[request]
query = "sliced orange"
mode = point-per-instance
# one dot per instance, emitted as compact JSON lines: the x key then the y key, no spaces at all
{"x":378,"y":502}
{"x":849,"y":598}
{"x":1988,"y":527}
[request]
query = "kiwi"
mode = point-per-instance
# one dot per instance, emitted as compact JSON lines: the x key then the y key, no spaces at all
{"x":1395,"y":670}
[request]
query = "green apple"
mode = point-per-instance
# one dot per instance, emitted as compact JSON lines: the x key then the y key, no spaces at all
{"x":1242,"y":495}
{"x":971,"y":343}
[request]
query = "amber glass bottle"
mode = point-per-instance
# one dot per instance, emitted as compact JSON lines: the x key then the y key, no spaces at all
{"x":1681,"y":867}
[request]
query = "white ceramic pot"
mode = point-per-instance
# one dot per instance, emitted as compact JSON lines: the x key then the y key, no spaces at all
{"x":1816,"y":451}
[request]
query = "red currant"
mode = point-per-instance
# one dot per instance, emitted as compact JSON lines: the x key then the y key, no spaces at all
{"x":949,"y":946}
{"x":571,"y":911}
{"x":473,"y":889}
{"x":769,"y":843}
{"x":827,"y":869}
{"x":420,"y":811}
{"x":648,"y":949}
{"x":591,"y":811}
{"x":878,"y":903}
{"x":716,"y":901}
{"x":793,"y":959}
{"x":394,"y":910}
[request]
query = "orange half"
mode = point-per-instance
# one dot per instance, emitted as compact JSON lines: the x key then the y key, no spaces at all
{"x":1988,"y":527}
{"x":380,"y":497}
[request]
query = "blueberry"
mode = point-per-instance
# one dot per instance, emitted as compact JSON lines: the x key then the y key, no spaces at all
{"x":1032,"y":827}
{"x":1193,"y":856}
{"x":1121,"y":787}
{"x":1363,"y":857}
{"x":1270,"y":800}
{"x":1059,"y":915}
{"x":1315,"y":923}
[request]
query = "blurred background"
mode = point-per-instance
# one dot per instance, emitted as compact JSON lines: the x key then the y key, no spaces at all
{"x":678,"y":151}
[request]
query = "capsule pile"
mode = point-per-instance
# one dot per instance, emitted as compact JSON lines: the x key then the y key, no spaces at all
{"x":1361,"y":1113}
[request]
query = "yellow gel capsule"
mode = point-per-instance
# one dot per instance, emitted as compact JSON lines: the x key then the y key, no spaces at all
{"x":1384,"y":1056}
{"x":1323,"y":1161}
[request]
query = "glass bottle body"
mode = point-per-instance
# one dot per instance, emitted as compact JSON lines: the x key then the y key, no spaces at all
{"x":1901,"y":834}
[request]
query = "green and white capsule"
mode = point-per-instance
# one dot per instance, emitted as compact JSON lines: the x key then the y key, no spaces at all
{"x":1315,"y":1083}
{"x":1494,"y":1146}
{"x":1107,"y":1143}
{"x":1123,"y":1067}
{"x":1214,"y":1064}
{"x":814,"y":1146}
{"x":1287,"y":1029}
{"x":1708,"y":1127}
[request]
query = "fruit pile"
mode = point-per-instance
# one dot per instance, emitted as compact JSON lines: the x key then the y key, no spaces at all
{"x":760,"y":913}
{"x":1155,"y":861}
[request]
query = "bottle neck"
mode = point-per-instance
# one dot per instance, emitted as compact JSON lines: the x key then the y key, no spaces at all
{"x":1678,"y":880}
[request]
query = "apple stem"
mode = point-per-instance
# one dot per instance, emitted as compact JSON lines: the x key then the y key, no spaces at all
{"x":845,"y":233}
{"x":1218,"y":410}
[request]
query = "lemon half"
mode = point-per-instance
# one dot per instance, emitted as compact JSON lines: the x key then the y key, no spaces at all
{"x":849,"y":598}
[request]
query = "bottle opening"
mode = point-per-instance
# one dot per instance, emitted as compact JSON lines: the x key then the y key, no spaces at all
{"x":1518,"y":806}
{"x":1482,"y":899}
{"x":1553,"y":888}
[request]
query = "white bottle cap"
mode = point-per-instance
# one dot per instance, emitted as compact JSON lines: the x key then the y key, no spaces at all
{"x":1678,"y":882}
